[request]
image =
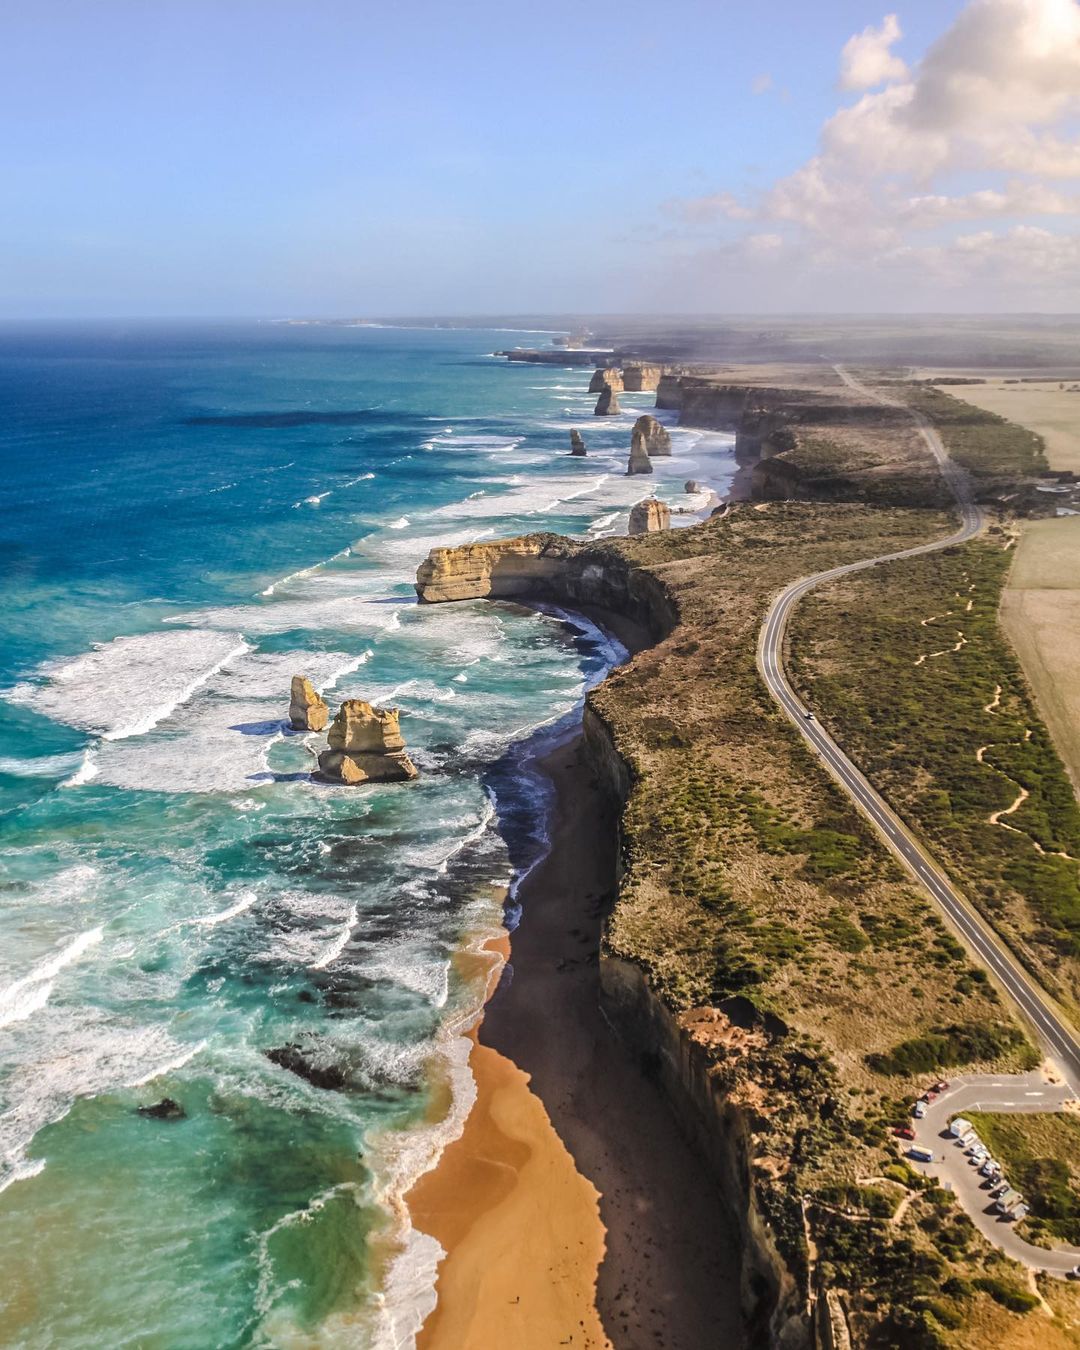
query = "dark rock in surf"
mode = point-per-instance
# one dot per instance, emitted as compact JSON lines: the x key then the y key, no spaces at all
{"x":166,"y":1109}
{"x":607,"y":405}
{"x":329,"y":1077}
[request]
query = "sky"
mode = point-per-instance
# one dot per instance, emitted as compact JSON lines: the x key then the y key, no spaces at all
{"x":330,"y":158}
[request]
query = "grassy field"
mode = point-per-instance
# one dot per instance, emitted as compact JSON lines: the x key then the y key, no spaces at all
{"x":1051,"y":409}
{"x":994,"y":451}
{"x":908,"y":667}
{"x":752,"y":884}
{"x":1040,"y":610}
{"x":1040,"y":1155}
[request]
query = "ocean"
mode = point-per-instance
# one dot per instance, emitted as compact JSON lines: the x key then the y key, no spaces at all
{"x":191,"y":515}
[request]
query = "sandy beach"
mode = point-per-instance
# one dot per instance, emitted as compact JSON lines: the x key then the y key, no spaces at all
{"x":572,"y":1210}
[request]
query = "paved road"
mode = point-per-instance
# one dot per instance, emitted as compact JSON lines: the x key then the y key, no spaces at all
{"x":1056,"y":1035}
{"x":952,"y":1167}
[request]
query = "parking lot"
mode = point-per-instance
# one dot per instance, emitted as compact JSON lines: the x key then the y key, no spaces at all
{"x":952,"y":1167}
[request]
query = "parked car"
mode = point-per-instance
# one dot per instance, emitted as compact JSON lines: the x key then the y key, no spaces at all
{"x":904,"y":1132}
{"x":1074,"y":1274}
{"x":941,"y":1085}
{"x":1000,"y":1188}
{"x":975,"y":1146}
{"x":919,"y":1110}
{"x":928,"y":1096}
{"x":989,"y":1167}
{"x":978,"y":1157}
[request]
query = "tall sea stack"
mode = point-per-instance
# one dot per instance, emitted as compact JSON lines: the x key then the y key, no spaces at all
{"x":639,"y":461}
{"x":307,"y":711}
{"x":606,"y":378}
{"x":366,"y":746}
{"x":649,"y":516}
{"x":577,"y":444}
{"x":607,"y":405}
{"x":656,"y":436}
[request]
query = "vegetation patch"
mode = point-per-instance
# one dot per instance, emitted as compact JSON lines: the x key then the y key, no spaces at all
{"x":907,"y":666}
{"x":1040,"y":1154}
{"x":995,"y":451}
{"x":949,"y":1047}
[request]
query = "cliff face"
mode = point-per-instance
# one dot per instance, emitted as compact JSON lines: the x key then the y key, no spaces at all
{"x":606,"y":377}
{"x":548,"y":567}
{"x":639,"y":378}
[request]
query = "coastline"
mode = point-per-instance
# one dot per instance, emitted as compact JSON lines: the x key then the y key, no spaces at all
{"x":571,"y":1203}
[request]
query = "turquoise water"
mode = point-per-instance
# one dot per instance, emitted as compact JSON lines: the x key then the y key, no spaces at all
{"x":191,"y":516}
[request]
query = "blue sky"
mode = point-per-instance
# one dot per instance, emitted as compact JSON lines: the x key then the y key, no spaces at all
{"x":323,"y":158}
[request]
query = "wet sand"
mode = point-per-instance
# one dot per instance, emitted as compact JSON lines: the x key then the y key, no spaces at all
{"x":570,"y":1157}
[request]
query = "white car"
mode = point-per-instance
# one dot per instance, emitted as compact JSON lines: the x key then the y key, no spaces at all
{"x":919,"y":1110}
{"x":989,"y":1167}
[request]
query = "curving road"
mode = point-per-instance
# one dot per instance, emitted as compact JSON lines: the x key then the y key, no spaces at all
{"x":1056,"y":1035}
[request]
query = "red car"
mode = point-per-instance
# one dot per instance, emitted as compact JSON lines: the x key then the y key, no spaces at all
{"x":904,"y":1132}
{"x":940,"y":1087}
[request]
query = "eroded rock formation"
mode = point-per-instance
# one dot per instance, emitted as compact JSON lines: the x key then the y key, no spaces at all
{"x":548,"y":567}
{"x":637,"y":379}
{"x":606,"y":377}
{"x":656,"y":436}
{"x":607,"y":405}
{"x":307,"y":711}
{"x":650,"y":515}
{"x":577,"y":444}
{"x":366,"y":746}
{"x":639,"y":461}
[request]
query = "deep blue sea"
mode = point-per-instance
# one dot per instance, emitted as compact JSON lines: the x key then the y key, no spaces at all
{"x":190,"y":516}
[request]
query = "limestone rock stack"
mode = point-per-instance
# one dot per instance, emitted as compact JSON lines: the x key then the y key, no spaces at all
{"x":639,"y":461}
{"x":637,"y":379}
{"x":366,"y":746}
{"x":606,"y":378}
{"x":607,"y":405}
{"x":577,"y":444}
{"x":656,"y":436}
{"x":649,"y":516}
{"x":307,"y":711}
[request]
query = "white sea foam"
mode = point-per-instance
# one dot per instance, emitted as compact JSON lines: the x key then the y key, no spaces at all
{"x":126,"y":687}
{"x":304,"y":572}
{"x":401,"y":523}
{"x":340,"y":942}
{"x":30,"y":993}
{"x":43,"y":766}
{"x":86,"y":772}
{"x":20,"y":1171}
{"x":244,"y":903}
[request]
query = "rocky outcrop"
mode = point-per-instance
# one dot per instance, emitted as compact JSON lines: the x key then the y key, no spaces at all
{"x":656,"y":436}
{"x":606,"y":377}
{"x":639,"y":461}
{"x":549,"y":567}
{"x":366,"y":746}
{"x":307,"y":711}
{"x":669,"y":392}
{"x":166,"y":1109}
{"x":607,"y":405}
{"x":692,"y":487}
{"x":329,"y":1077}
{"x":577,"y":444}
{"x":649,"y":516}
{"x":638,"y":379}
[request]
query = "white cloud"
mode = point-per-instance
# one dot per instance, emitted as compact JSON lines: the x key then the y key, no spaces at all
{"x":982,"y":132}
{"x":866,"y":60}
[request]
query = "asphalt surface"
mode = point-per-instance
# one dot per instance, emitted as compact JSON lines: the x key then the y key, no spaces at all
{"x":952,"y":1166}
{"x":1055,"y":1034}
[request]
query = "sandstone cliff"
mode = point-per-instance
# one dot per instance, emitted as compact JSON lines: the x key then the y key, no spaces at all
{"x":366,"y":746}
{"x":656,"y":436}
{"x":637,"y":379}
{"x":607,"y":405}
{"x":577,"y":443}
{"x":606,"y":377}
{"x":307,"y":711}
{"x":549,"y":567}
{"x":649,"y":516}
